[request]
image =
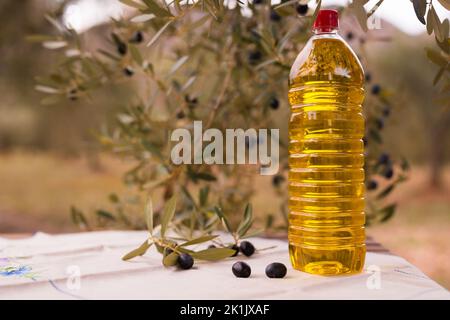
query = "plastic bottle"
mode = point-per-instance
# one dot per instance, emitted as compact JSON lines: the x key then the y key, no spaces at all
{"x":326,"y":154}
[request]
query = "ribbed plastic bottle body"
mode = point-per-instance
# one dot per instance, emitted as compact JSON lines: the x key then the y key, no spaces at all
{"x":326,"y":158}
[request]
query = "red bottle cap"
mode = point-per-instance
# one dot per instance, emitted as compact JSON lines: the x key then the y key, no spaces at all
{"x":326,"y":21}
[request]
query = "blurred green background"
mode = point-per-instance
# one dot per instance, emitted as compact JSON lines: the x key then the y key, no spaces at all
{"x":49,"y":159}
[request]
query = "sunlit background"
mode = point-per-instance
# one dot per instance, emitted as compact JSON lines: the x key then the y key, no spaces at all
{"x":49,"y":159}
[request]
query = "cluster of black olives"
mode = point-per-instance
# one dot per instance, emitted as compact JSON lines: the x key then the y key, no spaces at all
{"x":122,"y":48}
{"x":274,"y":270}
{"x":242,"y":270}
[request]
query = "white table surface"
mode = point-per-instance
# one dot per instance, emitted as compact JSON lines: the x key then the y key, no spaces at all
{"x":89,"y":266}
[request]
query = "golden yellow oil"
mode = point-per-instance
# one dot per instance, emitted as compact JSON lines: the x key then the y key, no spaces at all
{"x":326,"y":158}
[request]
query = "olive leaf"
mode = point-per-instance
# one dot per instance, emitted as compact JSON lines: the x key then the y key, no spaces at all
{"x":78,"y":217}
{"x":40,"y":38}
{"x":198,"y":240}
{"x":177,"y":65}
{"x":213,"y":254}
{"x":205,"y":176}
{"x":437,"y":58}
{"x":285,"y":3}
{"x":386,"y":191}
{"x":387,"y":212}
{"x":357,"y":8}
{"x":170,"y":259}
{"x":246,"y":223}
{"x":156,"y":9}
{"x":159,"y":33}
{"x":375,"y":8}
{"x":439,"y":75}
{"x":136,"y":54}
{"x":105,"y":215}
{"x":445,"y":4}
{"x":203,"y":196}
{"x":434,"y":24}
{"x":141,"y":250}
{"x":420,"y":7}
{"x":222,"y":218}
{"x":316,"y":11}
{"x":114,"y":198}
{"x":169,"y":211}
{"x":134,"y":4}
{"x":143,"y":18}
{"x":149,"y":215}
{"x":253,"y":233}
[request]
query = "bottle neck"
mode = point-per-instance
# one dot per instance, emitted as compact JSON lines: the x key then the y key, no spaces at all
{"x":325,"y":30}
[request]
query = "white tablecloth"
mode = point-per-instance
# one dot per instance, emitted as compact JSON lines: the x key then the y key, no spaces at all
{"x":89,"y":266}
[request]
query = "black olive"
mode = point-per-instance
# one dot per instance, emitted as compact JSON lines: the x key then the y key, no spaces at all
{"x":247,"y":248}
{"x":236,"y":249}
{"x":384,"y":159}
{"x":389,"y":173}
{"x":254,"y":56}
{"x":302,"y":9}
{"x":241,"y":269}
{"x":185,"y":261}
{"x":277,"y":180}
{"x":128,"y":71}
{"x":379,"y":123}
{"x":371,"y":185}
{"x":274,"y":16}
{"x":376,"y":88}
{"x":274,"y":103}
{"x":276,"y":270}
{"x":137,"y":37}
{"x":181,"y":114}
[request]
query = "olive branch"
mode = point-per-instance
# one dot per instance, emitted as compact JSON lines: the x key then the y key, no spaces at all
{"x":170,"y":249}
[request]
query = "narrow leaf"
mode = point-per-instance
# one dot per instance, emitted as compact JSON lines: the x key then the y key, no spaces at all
{"x":169,"y":211}
{"x":171,"y":259}
{"x":141,"y":250}
{"x":203,"y":196}
{"x":143,"y":18}
{"x":437,"y":58}
{"x":438,"y":76}
{"x":357,"y":7}
{"x":136,"y":54}
{"x":134,"y":4}
{"x":246,"y":223}
{"x":149,"y":214}
{"x":178,"y":64}
{"x":438,"y":27}
{"x":54,"y":44}
{"x":78,"y":217}
{"x":105,"y":215}
{"x":213,"y":254}
{"x":420,"y":7}
{"x":156,"y":9}
{"x":388,"y":212}
{"x":253,"y":234}
{"x":445,"y":4}
{"x":159,"y":33}
{"x":386,"y":191}
{"x":429,"y":22}
{"x":222,"y":217}
{"x":47,"y":89}
{"x":198,"y":240}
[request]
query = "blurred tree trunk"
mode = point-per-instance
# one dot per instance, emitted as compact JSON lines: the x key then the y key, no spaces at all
{"x":439,"y":136}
